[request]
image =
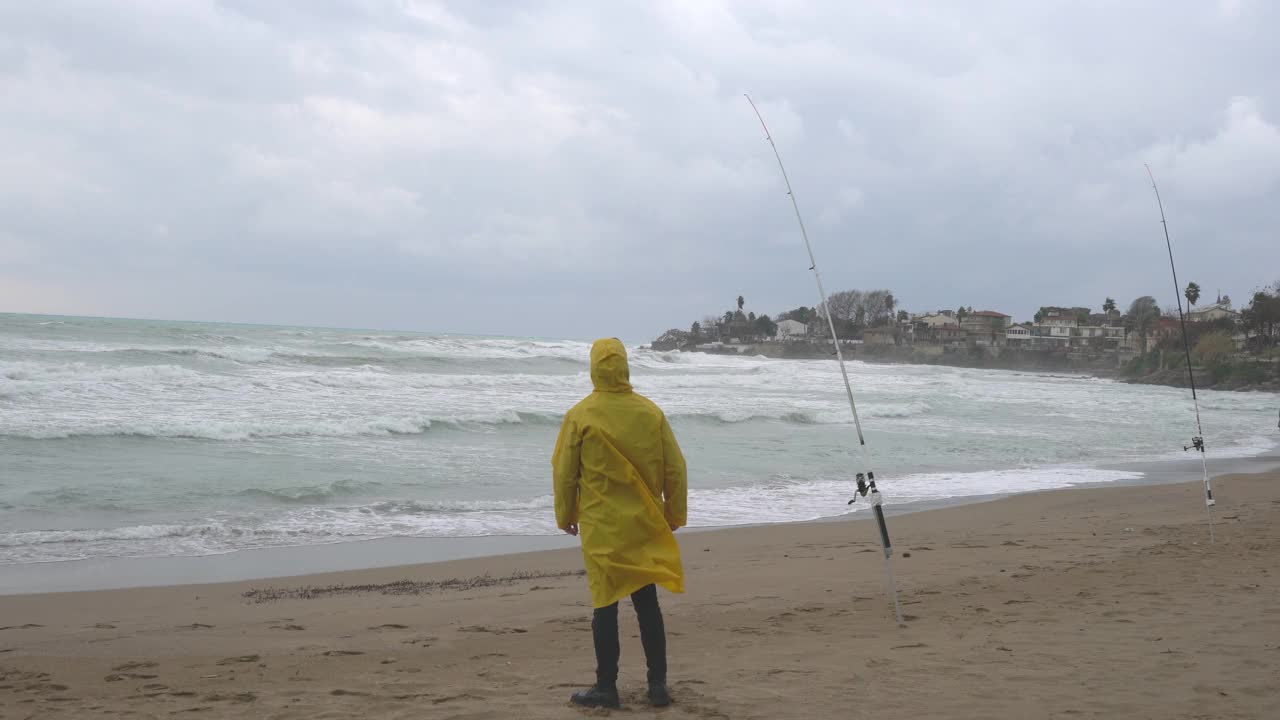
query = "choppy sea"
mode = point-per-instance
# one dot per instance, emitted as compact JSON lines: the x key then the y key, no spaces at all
{"x":124,"y":438}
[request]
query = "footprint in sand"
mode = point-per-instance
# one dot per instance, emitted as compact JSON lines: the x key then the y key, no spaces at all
{"x":244,"y":697}
{"x":389,"y":626}
{"x":28,"y":626}
{"x":287,"y":627}
{"x":195,"y":626}
{"x":141,"y":665}
{"x":341,"y":653}
{"x":118,"y":677}
{"x":421,"y":640}
{"x":492,"y":630}
{"x":240,"y":659}
{"x":451,"y":698}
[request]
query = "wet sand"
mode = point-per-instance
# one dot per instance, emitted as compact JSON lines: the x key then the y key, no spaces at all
{"x":1098,"y":602}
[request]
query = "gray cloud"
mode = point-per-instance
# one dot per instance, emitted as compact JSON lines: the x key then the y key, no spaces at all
{"x":575,"y":169}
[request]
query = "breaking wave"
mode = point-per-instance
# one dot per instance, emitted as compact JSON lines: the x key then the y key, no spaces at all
{"x":782,"y":498}
{"x":254,"y":430}
{"x":310,"y":494}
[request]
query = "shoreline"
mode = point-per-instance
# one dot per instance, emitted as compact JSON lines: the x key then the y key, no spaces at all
{"x":119,"y":573}
{"x":1044,"y":604}
{"x":1019,"y":361}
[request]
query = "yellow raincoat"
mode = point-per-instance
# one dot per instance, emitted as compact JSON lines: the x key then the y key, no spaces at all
{"x":620,"y":476}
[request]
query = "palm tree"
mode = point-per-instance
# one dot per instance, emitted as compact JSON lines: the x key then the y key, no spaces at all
{"x":889,"y":303}
{"x":1192,"y":293}
{"x":960,"y":313}
{"x":741,"y":302}
{"x":1109,"y":306}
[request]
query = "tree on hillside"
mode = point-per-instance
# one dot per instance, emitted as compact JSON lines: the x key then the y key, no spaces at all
{"x":854,"y":310}
{"x":1262,"y":316}
{"x":1213,"y":348}
{"x":1142,"y":317}
{"x":764,"y":327}
{"x":801,"y":314}
{"x":696,"y":329}
{"x":751,"y":317}
{"x":728,"y":316}
{"x":875,"y":307}
{"x":1192,"y":294}
{"x":741,"y":302}
{"x":844,"y":305}
{"x":960,"y":313}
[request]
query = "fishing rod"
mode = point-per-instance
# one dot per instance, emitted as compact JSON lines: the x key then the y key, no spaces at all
{"x":1197,"y":442}
{"x":866,"y":481}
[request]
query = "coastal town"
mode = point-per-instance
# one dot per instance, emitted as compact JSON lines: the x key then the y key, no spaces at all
{"x":1235,"y":346}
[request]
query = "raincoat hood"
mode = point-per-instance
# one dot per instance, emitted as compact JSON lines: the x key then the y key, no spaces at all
{"x":609,"y":369}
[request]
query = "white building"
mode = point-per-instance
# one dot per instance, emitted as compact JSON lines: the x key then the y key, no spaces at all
{"x":1018,"y":334}
{"x":1208,"y":313}
{"x":936,"y":320}
{"x":792,"y":330}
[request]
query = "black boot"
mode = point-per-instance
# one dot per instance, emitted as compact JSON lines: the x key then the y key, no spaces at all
{"x":598,"y":697}
{"x":658,"y":695}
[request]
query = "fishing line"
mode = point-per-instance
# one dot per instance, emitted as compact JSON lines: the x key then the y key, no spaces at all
{"x":866,"y":481}
{"x":1197,"y":442}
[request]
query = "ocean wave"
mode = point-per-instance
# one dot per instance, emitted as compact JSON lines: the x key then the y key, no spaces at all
{"x":137,"y":533}
{"x":311,"y":494}
{"x":81,"y":372}
{"x":459,"y":349}
{"x":409,"y":361}
{"x":417,"y":507}
{"x":803,"y":417}
{"x":142,"y":353}
{"x":781,"y":498}
{"x":231,"y":430}
{"x":304,"y":526}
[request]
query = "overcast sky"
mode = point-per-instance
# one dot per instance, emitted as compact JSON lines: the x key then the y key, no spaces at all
{"x":575,"y":169}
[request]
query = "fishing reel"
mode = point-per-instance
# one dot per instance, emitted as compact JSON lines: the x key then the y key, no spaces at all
{"x":1197,"y":443}
{"x":867,"y":489}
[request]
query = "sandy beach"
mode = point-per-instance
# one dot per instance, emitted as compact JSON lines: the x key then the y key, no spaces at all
{"x":1100,"y":602}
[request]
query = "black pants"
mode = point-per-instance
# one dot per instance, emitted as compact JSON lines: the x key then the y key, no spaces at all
{"x":653,"y":636}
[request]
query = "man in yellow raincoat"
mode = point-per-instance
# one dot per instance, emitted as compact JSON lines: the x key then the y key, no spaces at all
{"x":620,"y":482}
